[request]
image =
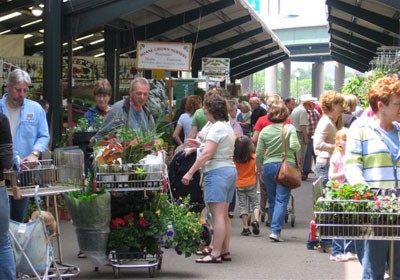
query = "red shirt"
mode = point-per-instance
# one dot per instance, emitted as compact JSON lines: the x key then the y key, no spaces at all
{"x":264,"y":121}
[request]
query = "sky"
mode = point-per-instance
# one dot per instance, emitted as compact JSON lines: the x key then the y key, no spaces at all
{"x":293,"y":13}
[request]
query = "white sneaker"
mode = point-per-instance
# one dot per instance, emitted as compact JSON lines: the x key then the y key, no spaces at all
{"x":276,"y":237}
{"x":338,"y":258}
{"x":351,"y":256}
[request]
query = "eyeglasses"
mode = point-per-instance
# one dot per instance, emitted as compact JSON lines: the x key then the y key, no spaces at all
{"x":19,"y":90}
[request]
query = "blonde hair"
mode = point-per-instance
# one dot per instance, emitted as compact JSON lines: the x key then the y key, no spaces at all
{"x":49,"y":221}
{"x":350,"y":103}
{"x":328,"y":98}
{"x":341,"y":135}
{"x":244,"y":107}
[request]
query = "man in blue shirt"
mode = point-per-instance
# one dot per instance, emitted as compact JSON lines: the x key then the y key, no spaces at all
{"x":29,"y":128}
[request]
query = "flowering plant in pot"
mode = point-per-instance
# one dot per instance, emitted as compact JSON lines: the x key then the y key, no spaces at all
{"x":155,"y":221}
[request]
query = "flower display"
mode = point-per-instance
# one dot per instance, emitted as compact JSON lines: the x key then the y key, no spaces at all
{"x":127,"y":145}
{"x":155,"y":222}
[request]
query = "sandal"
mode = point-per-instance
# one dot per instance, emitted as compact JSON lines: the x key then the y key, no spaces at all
{"x":209,"y":259}
{"x":206,"y":251}
{"x":226,"y":257}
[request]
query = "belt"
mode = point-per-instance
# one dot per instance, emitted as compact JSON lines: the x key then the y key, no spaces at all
{"x":299,"y":131}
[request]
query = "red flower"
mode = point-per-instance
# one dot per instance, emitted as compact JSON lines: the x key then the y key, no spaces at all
{"x":335,"y":186}
{"x":116,"y":223}
{"x":367,"y":195}
{"x":143,"y":223}
{"x":356,"y":196}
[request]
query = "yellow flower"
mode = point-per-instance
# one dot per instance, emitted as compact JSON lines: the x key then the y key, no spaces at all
{"x":158,"y":212}
{"x":141,"y":215}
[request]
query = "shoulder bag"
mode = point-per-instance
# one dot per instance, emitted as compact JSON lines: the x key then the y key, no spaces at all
{"x":288,"y":175}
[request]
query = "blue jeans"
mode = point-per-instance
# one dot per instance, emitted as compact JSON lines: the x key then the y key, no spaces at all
{"x":278,"y":197}
{"x":321,"y":170}
{"x":7,"y":267}
{"x":18,"y":209}
{"x":376,"y":255}
{"x":340,"y":246}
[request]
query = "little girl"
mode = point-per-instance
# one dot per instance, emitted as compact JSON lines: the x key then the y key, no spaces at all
{"x":342,"y":250}
{"x":244,"y":159}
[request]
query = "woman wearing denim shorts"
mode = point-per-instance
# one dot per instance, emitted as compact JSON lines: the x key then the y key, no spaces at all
{"x":216,"y":161}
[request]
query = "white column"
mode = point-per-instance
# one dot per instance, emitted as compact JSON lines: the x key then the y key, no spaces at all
{"x":285,"y":80}
{"x":317,"y":79}
{"x":271,"y":79}
{"x":247,"y":84}
{"x":339,"y":76}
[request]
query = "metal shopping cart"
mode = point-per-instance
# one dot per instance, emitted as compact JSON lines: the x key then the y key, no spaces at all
{"x":354,"y":219}
{"x":132,"y":178}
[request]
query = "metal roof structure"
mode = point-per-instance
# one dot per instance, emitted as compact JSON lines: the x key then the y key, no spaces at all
{"x":359,"y":27}
{"x":216,"y":28}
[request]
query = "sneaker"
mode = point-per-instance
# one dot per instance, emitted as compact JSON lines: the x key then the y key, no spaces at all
{"x":276,"y":237}
{"x":256,"y":227}
{"x":230,"y":215}
{"x":351,"y":256}
{"x":338,"y":258}
{"x":246,"y":232}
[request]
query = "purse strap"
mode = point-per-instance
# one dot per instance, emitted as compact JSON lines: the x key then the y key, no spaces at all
{"x":284,"y":146}
{"x":283,"y":143}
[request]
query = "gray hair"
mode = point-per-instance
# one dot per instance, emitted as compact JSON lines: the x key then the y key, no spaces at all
{"x":19,"y":76}
{"x":139,"y":80}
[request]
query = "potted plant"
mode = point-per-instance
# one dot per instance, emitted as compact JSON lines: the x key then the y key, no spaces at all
{"x":154,"y":221}
{"x":90,"y":210}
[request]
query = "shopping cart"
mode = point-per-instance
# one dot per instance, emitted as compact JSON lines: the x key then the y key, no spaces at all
{"x":353,"y":219}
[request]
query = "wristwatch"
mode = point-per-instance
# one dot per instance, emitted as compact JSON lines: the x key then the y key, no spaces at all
{"x":35,"y":153}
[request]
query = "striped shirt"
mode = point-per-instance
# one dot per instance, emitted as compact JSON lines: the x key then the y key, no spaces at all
{"x":368,"y":158}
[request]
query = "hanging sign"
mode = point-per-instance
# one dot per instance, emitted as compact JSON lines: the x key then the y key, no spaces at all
{"x":163,"y":56}
{"x":215,"y":67}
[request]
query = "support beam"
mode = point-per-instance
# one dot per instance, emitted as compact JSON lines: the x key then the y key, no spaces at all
{"x":111,"y":59}
{"x":8,"y":7}
{"x":365,"y":44}
{"x":212,"y":31}
{"x":148,"y":31}
{"x":196,"y":65}
{"x":387,"y":23}
{"x":52,"y":65}
{"x":256,"y":63}
{"x":351,"y":55}
{"x":261,"y":66}
{"x":82,"y":22}
{"x":348,"y":63}
{"x":246,"y":58}
{"x":376,"y":36}
{"x":353,"y":48}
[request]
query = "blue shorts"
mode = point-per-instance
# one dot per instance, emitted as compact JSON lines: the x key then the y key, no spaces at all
{"x":220,"y":184}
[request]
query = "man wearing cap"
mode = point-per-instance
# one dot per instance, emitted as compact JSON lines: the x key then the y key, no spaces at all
{"x":300,"y":121}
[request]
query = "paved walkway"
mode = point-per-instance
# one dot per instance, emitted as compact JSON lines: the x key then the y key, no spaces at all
{"x":254,"y":257}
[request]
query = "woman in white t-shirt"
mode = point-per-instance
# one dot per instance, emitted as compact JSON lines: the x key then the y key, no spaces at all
{"x":216,"y":161}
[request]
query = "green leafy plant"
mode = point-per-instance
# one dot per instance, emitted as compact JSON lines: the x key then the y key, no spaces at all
{"x":185,"y":237}
{"x":155,"y":221}
{"x":359,"y":86}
